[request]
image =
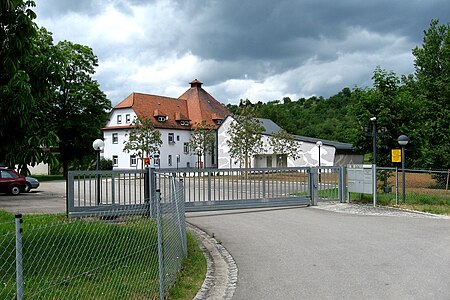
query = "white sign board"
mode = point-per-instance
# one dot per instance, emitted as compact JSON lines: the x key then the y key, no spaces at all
{"x":360,"y":179}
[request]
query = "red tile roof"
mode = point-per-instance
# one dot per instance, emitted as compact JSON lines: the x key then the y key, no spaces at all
{"x":203,"y":106}
{"x":195,"y":105}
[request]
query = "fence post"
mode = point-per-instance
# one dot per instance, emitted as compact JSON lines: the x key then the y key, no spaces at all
{"x":313,"y":186}
{"x":149,"y":191}
{"x":264,"y":184}
{"x":177,"y":195}
{"x":19,"y":260}
{"x":209,"y":185}
{"x":157,"y":196}
{"x":342,"y":184}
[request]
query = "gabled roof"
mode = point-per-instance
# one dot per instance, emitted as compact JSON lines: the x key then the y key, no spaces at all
{"x":195,"y":105}
{"x":152,"y":106}
{"x":271,"y":127}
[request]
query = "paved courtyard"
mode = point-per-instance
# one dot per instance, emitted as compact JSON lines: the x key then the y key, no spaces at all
{"x":49,"y":197}
{"x":313,"y":253}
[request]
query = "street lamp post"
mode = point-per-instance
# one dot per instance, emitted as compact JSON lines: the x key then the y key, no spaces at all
{"x":403,"y":141}
{"x":374,"y":163}
{"x":98,"y":145}
{"x":319,"y":145}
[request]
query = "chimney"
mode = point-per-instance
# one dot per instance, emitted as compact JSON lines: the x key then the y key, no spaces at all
{"x":196,"y":83}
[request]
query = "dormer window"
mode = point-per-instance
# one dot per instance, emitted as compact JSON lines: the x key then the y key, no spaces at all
{"x":219,"y":121}
{"x":184,"y":123}
{"x":162,"y":119}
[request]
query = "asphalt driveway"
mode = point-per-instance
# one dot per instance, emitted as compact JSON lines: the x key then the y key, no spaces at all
{"x":49,"y":197}
{"x":309,"y":253}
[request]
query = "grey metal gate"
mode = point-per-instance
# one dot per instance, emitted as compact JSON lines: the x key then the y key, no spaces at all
{"x":219,"y":189}
{"x":205,"y":189}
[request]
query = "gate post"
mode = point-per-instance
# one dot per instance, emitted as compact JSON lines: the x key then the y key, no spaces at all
{"x":149,"y":191}
{"x":342,"y":184}
{"x":313,"y":185}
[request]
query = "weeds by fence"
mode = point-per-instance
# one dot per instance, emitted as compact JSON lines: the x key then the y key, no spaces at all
{"x":119,"y":255}
{"x":425,"y":190}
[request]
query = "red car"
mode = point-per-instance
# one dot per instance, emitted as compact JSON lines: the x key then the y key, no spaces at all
{"x":11,"y":182}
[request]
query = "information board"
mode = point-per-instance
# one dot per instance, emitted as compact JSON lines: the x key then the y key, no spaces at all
{"x":360,"y":179}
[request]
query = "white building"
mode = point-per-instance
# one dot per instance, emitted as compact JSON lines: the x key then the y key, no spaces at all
{"x":331,"y":153}
{"x":175,"y":118}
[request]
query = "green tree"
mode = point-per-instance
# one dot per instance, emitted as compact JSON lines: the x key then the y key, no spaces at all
{"x":283,"y":143}
{"x":203,"y":139}
{"x":432,"y":70}
{"x":245,"y":138}
{"x":143,"y":138}
{"x":79,"y":107}
{"x":26,"y":77}
{"x":17,"y":30}
{"x":391,"y":102}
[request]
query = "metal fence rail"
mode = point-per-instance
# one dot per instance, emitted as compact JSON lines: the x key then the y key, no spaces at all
{"x":331,"y":183}
{"x":419,"y":183}
{"x":89,"y":191}
{"x":213,"y":189}
{"x":119,"y":254}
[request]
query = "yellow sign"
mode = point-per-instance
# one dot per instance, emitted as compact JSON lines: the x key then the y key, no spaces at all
{"x":396,"y":155}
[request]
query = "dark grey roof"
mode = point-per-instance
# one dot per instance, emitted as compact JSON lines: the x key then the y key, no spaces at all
{"x":271,"y":127}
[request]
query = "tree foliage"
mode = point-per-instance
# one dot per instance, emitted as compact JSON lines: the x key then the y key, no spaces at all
{"x":245,"y":138}
{"x":203,"y":139}
{"x":17,"y":31}
{"x":432,"y":69}
{"x":48,"y":96}
{"x":79,"y":107}
{"x":143,"y":139}
{"x":283,"y":143}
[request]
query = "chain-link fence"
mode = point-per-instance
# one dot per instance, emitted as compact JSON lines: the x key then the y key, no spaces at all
{"x":132,"y":253}
{"x":431,"y":186}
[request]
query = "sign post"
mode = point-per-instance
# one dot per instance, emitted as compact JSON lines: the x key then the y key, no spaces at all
{"x":396,"y":157}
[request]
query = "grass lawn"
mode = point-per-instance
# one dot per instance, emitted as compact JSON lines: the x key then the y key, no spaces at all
{"x":415,"y":201}
{"x":42,"y":178}
{"x":88,"y":258}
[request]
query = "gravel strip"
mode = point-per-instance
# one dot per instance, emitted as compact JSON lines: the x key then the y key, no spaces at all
{"x":221,"y":273}
{"x":369,"y":210}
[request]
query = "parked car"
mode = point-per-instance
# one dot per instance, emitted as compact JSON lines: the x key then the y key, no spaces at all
{"x":11,"y":182}
{"x":32,"y":183}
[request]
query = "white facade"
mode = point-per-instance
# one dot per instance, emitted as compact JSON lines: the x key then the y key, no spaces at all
{"x":308,"y":153}
{"x":173,"y":153}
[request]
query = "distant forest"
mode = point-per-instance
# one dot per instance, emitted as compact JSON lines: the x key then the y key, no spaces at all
{"x":317,"y":117}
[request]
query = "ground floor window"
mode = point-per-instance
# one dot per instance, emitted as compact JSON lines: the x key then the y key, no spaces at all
{"x":282,"y":160}
{"x":133,"y":161}
{"x":115,"y":160}
{"x":169,"y":160}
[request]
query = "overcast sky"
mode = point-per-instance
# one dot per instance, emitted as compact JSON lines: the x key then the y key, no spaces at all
{"x":261,"y":49}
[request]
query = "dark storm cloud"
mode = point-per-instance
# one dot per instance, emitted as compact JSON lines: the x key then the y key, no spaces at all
{"x":243,"y":49}
{"x":269,"y":29}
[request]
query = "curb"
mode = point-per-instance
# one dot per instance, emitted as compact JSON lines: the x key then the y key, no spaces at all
{"x":221,"y":274}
